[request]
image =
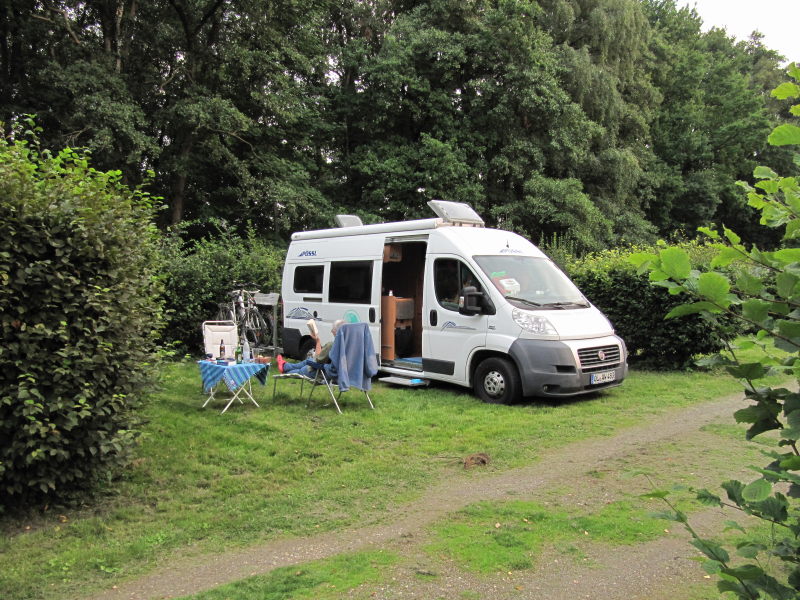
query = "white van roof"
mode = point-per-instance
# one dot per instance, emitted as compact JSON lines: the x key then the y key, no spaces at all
{"x":369,"y":229}
{"x":448,"y":213}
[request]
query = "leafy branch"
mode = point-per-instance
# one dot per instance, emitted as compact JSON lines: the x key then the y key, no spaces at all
{"x":766,"y":296}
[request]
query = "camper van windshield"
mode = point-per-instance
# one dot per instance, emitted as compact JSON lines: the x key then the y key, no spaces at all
{"x":529,"y":282}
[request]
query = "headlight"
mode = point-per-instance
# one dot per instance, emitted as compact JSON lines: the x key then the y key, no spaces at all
{"x":533,"y":323}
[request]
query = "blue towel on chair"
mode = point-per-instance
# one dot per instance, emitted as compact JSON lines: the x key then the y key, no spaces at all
{"x":353,"y":356}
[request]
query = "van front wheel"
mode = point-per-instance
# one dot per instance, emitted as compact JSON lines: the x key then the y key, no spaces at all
{"x":497,"y":381}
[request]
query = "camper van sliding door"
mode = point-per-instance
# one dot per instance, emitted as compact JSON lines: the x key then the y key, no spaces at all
{"x":352,"y":285}
{"x":354,"y":293}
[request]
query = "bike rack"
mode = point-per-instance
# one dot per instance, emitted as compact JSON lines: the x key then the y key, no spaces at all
{"x":270,"y":299}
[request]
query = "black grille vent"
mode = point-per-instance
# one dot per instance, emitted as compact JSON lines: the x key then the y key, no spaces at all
{"x":597,"y":359}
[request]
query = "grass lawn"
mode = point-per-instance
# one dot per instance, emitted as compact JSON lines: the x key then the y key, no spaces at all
{"x":204,"y":482}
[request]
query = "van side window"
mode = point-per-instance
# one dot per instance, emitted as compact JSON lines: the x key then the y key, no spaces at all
{"x":450,"y":276}
{"x":308,"y":280}
{"x":350,"y":282}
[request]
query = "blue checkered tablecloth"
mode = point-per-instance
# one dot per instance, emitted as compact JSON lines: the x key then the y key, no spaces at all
{"x":234,"y":376}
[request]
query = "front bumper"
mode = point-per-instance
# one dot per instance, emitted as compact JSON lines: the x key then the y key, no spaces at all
{"x":549,"y":368}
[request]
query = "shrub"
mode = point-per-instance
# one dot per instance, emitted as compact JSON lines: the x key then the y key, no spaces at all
{"x":199,"y":274}
{"x":80,"y":306}
{"x":637,"y":310}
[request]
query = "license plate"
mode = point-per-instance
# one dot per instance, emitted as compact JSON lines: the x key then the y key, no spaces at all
{"x":603,"y":377}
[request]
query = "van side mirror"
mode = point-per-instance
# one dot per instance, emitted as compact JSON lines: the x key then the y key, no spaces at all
{"x":470,"y":301}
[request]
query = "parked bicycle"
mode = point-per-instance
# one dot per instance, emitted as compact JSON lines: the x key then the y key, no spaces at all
{"x":242,"y":309}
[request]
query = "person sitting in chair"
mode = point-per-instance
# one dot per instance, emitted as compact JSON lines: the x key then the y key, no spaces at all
{"x":309,"y":366}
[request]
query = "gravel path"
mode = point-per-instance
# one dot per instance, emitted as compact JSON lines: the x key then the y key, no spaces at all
{"x":651,"y":570}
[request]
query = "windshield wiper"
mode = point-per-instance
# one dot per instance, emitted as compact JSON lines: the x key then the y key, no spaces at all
{"x":523,"y":300}
{"x":564,"y":304}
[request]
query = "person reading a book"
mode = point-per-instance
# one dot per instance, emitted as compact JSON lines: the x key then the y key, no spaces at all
{"x":309,"y":366}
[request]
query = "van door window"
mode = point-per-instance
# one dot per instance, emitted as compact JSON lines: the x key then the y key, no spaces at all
{"x":350,"y":282}
{"x":450,"y":276}
{"x":308,"y":280}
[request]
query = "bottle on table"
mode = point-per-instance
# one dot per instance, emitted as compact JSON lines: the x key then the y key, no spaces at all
{"x":246,"y":354}
{"x":238,"y":355}
{"x":221,"y":349}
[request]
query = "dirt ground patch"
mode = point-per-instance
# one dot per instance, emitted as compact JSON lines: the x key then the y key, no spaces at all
{"x":653,"y":570}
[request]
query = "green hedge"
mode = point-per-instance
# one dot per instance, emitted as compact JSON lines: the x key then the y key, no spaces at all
{"x":80,"y":308}
{"x":199,"y":274}
{"x":637,"y":309}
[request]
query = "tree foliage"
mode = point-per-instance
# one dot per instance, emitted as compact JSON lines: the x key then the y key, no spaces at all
{"x":199,"y":274}
{"x":762,"y":288}
{"x":80,"y":306}
{"x":710,"y":128}
{"x":596,"y":119}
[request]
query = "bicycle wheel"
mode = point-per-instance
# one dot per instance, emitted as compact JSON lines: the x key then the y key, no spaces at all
{"x":256,"y":330}
{"x":225,"y":313}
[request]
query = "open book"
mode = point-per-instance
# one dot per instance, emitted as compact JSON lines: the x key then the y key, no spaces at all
{"x":312,"y":327}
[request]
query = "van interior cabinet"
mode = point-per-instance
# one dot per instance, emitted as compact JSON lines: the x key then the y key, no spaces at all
{"x":397,"y":315}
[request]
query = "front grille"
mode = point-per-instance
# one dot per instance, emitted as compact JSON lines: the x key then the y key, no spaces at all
{"x":599,"y":358}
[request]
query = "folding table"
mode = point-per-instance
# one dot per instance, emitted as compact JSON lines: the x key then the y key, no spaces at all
{"x":236,"y":378}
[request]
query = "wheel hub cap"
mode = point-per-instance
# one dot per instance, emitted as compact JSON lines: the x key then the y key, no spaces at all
{"x":494,"y":384}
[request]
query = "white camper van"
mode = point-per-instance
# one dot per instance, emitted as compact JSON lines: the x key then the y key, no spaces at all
{"x":447,"y":299}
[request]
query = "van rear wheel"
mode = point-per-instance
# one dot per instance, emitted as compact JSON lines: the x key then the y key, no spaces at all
{"x":306,"y":348}
{"x":497,"y":381}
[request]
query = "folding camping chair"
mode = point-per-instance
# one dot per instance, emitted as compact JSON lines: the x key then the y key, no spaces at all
{"x":353,"y":365}
{"x":319,"y":368}
{"x":220,"y":332}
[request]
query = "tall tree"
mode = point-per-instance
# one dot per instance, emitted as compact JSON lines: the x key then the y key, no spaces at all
{"x":710,"y":128}
{"x":603,"y":47}
{"x":219,"y":97}
{"x":462,"y":100}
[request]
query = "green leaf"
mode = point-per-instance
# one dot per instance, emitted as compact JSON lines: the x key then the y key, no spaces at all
{"x":657,"y":494}
{"x":711,"y":232}
{"x":715,"y":287}
{"x":756,"y":310}
{"x":785,"y":135}
{"x":707,"y":497}
{"x":750,"y":284}
{"x":734,"y":490}
{"x":793,"y":227}
{"x":712,"y":567}
{"x":711,"y":549}
{"x":726,"y":256}
{"x":793,"y":418}
{"x":786,"y":283}
{"x":734,"y":587}
{"x":764,"y":173}
{"x":694,"y":308}
{"x":746,"y":572}
{"x":748,"y":550}
{"x":791,"y":463}
{"x":787,"y":255}
{"x":774,"y":508}
{"x":786,"y":90}
{"x":748,"y":371}
{"x":734,"y":526}
{"x":675,"y":263}
{"x":791,"y":330}
{"x":731,"y":235}
{"x":757,"y":491}
{"x":640,"y":259}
